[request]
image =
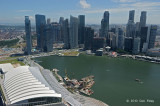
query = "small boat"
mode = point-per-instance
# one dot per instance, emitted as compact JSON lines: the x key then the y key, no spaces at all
{"x":138,"y":80}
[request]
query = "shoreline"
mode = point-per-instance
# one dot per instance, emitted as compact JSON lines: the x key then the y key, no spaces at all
{"x":148,"y":59}
{"x":87,"y":101}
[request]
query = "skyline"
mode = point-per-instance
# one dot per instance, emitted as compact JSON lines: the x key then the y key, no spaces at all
{"x":14,"y":12}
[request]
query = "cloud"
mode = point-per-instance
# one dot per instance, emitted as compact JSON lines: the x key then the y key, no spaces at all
{"x":24,"y":10}
{"x":124,"y":1}
{"x":138,"y":6}
{"x":84,"y":4}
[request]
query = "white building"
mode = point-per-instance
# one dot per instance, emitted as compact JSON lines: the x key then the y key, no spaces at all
{"x":26,"y":85}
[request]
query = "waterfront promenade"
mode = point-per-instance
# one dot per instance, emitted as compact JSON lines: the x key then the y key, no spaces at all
{"x":73,"y":99}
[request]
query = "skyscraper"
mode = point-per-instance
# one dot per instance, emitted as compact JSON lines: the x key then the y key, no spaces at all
{"x":73,"y":32}
{"x":48,"y":45}
{"x":128,"y":44}
{"x":131,"y":15}
{"x":48,"y":20}
{"x":81,"y":28}
{"x":136,"y":45}
{"x":88,"y":39}
{"x":130,"y":30}
{"x":143,"y":19}
{"x":40,"y":30}
{"x":105,"y":25}
{"x":61,"y":19}
{"x":28,"y":34}
{"x":56,"y":32}
{"x":152,"y":38}
{"x":65,"y":28}
{"x":143,"y":36}
{"x":120,"y":38}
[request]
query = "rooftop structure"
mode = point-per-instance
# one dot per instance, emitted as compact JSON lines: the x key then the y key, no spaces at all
{"x":26,"y":85}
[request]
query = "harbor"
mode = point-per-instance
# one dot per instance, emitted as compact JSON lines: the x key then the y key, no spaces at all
{"x":82,"y":86}
{"x":114,"y":77}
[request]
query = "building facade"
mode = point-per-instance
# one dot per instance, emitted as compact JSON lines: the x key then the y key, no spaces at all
{"x":152,"y":38}
{"x":65,"y":28}
{"x":105,"y":26}
{"x":73,"y":32}
{"x":89,"y":34}
{"x":40,"y":30}
{"x":28,"y":35}
{"x":81,"y":29}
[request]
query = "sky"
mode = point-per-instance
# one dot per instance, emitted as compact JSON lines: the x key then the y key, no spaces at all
{"x":14,"y":11}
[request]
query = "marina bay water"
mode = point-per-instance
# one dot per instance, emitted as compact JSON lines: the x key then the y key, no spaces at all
{"x":114,"y":78}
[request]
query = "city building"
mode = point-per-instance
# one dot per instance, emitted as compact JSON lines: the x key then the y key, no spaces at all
{"x":131,"y":15}
{"x":152,"y":37}
{"x":48,"y":47}
{"x":61,"y":19}
{"x":73,"y":32}
{"x":128,"y":44}
{"x":48,"y":20}
{"x":137,"y":29}
{"x":105,"y":26}
{"x":153,"y":52}
{"x":81,"y":28}
{"x":136,"y":45}
{"x":28,"y":35}
{"x":65,"y":28}
{"x":130,"y":30}
{"x":98,"y":42}
{"x":112,"y":40}
{"x":26,"y":85}
{"x":143,"y":19}
{"x":88,"y":39}
{"x":56,"y":32}
{"x":40,"y":30}
{"x":120,"y":38}
{"x":143,"y":36}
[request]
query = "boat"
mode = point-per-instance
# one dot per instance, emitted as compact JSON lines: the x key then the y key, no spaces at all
{"x":138,"y":80}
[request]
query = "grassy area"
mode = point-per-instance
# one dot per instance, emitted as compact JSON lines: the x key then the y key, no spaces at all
{"x":14,"y":61}
{"x":74,"y":53}
{"x":2,"y":93}
{"x":8,"y":43}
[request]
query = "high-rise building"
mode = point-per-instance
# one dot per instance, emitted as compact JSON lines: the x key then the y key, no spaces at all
{"x":143,"y":19}
{"x":120,"y":38}
{"x":40,"y":30}
{"x":130,"y":30}
{"x":61,"y":19}
{"x":128,"y":44}
{"x":73,"y":32}
{"x":56,"y":32}
{"x":48,"y":46}
{"x":88,"y":39}
{"x":28,"y":35}
{"x":113,"y":30}
{"x":114,"y":41}
{"x":48,"y":20}
{"x":136,"y":45}
{"x":65,"y":28}
{"x":137,"y":29}
{"x":143,"y":36}
{"x":131,"y":15}
{"x":98,"y":42}
{"x":81,"y":28}
{"x":152,"y":38}
{"x":105,"y":25}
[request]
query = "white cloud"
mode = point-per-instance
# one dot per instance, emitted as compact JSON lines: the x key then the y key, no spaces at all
{"x":84,"y":4}
{"x":124,"y":1}
{"x":120,"y":14}
{"x":24,"y":10}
